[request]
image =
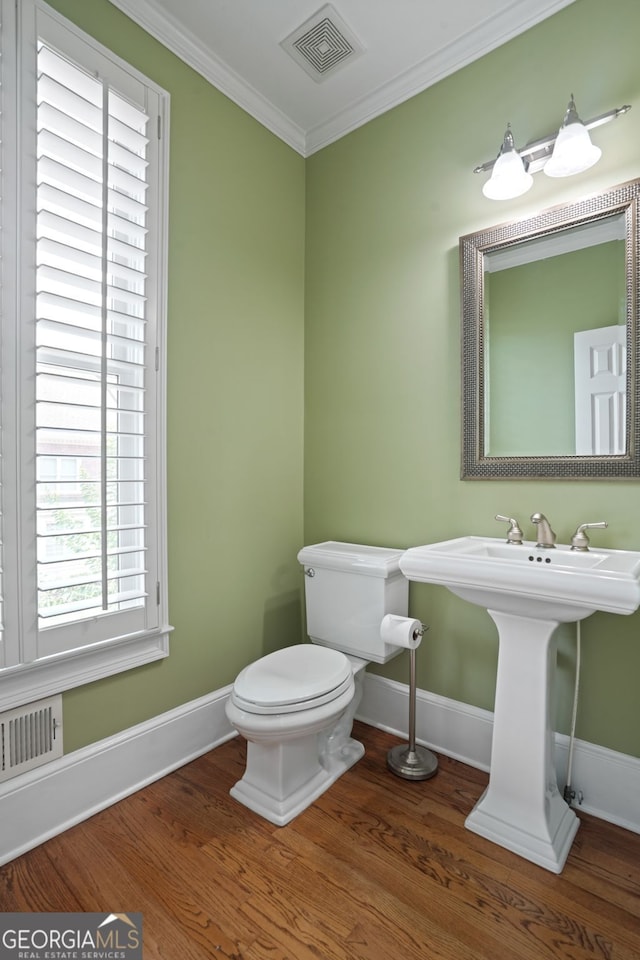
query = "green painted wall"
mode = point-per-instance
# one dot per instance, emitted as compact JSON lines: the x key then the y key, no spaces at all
{"x":385,"y":208}
{"x":235,"y":402}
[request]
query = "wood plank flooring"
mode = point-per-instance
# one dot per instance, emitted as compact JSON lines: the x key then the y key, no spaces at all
{"x":378,"y":868}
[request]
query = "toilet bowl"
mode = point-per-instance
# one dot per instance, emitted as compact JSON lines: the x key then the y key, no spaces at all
{"x":295,"y":707}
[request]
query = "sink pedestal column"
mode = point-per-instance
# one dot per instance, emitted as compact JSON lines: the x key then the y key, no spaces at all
{"x":522,"y":808}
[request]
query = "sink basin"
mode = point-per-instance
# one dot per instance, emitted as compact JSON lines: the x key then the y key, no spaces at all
{"x":527,"y":592}
{"x":560,"y":584}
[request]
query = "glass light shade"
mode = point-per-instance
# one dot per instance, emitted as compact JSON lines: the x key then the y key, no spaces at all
{"x":508,"y":179}
{"x":573,"y":152}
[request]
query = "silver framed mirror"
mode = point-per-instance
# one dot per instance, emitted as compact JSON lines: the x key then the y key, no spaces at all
{"x":550,"y":343}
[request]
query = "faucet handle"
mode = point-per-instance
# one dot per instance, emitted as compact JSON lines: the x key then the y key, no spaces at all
{"x":580,"y":541}
{"x":514,"y":534}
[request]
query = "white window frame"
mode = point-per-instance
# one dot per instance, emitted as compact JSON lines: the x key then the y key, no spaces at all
{"x":26,"y":675}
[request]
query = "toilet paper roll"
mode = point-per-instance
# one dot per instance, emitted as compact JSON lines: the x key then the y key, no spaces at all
{"x":401,"y":631}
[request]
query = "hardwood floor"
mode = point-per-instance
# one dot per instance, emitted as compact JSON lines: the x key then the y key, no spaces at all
{"x":377,"y":869}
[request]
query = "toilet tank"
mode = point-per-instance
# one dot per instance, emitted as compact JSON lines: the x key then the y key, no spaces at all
{"x":348,"y":590}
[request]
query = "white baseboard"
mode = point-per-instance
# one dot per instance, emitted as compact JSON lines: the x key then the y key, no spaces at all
{"x":44,"y":802}
{"x":608,"y":782}
{"x":446,"y":726}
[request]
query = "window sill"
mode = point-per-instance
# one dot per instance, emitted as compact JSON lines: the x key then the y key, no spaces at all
{"x":28,"y":682}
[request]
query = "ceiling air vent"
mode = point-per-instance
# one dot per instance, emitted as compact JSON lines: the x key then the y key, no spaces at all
{"x":322,"y":44}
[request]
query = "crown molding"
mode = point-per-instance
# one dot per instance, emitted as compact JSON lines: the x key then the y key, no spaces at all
{"x":473,"y":45}
{"x":162,"y":27}
{"x":495,"y":31}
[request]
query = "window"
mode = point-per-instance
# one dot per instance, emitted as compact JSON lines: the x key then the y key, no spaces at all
{"x":83,"y":197}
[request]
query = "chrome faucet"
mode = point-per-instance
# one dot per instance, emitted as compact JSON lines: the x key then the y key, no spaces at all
{"x":546,"y":536}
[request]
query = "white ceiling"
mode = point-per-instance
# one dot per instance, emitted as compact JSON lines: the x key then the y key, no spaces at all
{"x":408,"y":45}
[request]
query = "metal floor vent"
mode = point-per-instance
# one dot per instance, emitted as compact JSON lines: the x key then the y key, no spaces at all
{"x":30,"y":736}
{"x":322,"y":44}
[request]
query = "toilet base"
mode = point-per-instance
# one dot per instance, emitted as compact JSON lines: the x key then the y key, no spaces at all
{"x":282,"y":780}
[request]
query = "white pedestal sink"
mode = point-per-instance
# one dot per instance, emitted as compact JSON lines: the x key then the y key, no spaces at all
{"x":527,"y":592}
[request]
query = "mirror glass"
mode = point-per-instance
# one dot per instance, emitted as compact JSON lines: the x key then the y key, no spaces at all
{"x":549,"y":341}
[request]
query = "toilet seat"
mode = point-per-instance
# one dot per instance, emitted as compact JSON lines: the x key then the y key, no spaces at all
{"x":296,"y":678}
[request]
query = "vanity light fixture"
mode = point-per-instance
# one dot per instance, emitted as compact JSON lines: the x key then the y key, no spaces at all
{"x":561,"y":154}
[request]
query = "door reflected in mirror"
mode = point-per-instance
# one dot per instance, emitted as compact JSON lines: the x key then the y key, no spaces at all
{"x":549,"y":338}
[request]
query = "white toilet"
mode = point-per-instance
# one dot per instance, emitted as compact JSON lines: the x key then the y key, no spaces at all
{"x":295,"y":707}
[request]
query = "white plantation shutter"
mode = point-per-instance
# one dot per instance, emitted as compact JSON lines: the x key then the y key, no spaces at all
{"x":87,"y":564}
{"x":8,"y":309}
{"x":90,"y":336}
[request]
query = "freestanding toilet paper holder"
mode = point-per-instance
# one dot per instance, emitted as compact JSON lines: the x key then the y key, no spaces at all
{"x":410,"y":761}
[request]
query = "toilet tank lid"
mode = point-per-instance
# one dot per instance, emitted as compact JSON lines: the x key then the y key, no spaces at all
{"x":352,"y":557}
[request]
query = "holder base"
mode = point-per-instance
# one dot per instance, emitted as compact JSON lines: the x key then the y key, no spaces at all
{"x":415,"y":763}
